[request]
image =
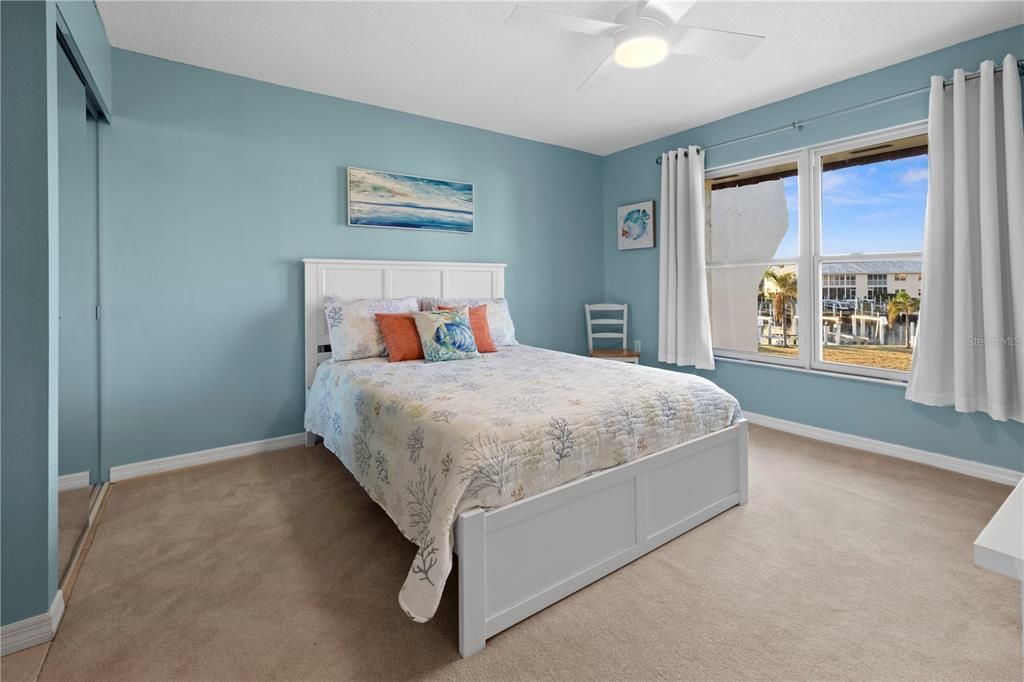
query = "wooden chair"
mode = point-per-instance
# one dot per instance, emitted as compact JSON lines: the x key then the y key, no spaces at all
{"x":619,"y":354}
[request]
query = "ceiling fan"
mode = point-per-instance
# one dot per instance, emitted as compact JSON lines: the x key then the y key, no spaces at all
{"x":645,"y":33}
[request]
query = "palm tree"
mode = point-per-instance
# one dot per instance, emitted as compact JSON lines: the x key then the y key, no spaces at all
{"x":785,"y":292}
{"x":903,"y":304}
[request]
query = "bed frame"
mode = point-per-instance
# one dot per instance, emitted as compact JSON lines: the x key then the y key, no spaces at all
{"x":518,"y":559}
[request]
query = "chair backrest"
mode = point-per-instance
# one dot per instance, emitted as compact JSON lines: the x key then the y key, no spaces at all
{"x":606,"y":321}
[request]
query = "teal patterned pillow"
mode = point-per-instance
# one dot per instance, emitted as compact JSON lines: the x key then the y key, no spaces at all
{"x":446,"y":335}
{"x":498,"y":317}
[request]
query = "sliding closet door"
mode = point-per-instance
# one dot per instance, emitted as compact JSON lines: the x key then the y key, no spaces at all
{"x":79,"y":330}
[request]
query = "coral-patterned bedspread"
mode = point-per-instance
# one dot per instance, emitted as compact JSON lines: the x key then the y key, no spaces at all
{"x":430,"y":440}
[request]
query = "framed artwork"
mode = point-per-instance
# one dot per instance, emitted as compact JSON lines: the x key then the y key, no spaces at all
{"x":635,"y":224}
{"x":379,"y":199}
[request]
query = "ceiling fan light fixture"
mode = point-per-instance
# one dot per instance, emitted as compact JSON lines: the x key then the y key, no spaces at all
{"x":643,"y":43}
{"x":641,"y":52}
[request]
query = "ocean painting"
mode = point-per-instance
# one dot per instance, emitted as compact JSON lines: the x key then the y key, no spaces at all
{"x":379,"y":199}
{"x":635,"y":225}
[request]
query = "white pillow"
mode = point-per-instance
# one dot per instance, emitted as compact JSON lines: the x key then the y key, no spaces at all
{"x":499,"y":319}
{"x":353,"y":327}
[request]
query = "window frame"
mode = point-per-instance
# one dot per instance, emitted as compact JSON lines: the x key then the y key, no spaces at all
{"x":798,"y":156}
{"x":810,"y":258}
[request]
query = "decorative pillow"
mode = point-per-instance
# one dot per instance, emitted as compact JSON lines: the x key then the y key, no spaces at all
{"x":481,"y":330}
{"x":400,"y":336}
{"x":498,"y":317}
{"x":446,"y":335}
{"x":353,"y":328}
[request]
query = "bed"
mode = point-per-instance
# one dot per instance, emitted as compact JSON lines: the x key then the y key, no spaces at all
{"x":543,"y":471}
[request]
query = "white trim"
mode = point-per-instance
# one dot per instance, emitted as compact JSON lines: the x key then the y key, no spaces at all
{"x":751,"y":164}
{"x":33,"y":630}
{"x":893,"y":376}
{"x":754,"y":164}
{"x":843,"y":144}
{"x":73,"y":481}
{"x":989,"y":472}
{"x":775,"y":363}
{"x":404,"y":263}
{"x":757,"y":358}
{"x":191,"y":459}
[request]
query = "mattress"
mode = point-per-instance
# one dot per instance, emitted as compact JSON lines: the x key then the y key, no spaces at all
{"x":430,"y":440}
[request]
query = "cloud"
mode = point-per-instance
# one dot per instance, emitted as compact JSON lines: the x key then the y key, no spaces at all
{"x":861,"y":186}
{"x":832,"y":181}
{"x":914,"y":175}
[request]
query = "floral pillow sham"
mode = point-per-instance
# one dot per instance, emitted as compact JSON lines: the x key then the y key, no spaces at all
{"x":353,"y":327}
{"x":499,"y":319}
{"x":446,"y":335}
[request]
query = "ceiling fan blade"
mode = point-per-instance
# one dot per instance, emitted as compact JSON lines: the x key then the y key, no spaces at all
{"x":709,"y":42}
{"x":665,"y":12}
{"x":598,"y":75}
{"x":531,"y":14}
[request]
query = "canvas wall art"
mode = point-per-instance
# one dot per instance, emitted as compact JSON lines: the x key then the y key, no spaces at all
{"x":635,"y":225}
{"x":379,"y":199}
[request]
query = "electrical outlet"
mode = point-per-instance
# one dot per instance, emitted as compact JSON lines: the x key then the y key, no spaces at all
{"x":636,"y":345}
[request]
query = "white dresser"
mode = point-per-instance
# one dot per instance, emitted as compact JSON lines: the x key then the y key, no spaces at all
{"x":1000,"y":546}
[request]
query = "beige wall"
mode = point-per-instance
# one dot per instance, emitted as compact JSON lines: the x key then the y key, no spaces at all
{"x":912,"y":284}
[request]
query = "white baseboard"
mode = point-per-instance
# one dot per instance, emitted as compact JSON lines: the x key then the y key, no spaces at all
{"x":34,"y":630}
{"x":73,"y":481}
{"x":961,"y":466}
{"x":191,"y":459}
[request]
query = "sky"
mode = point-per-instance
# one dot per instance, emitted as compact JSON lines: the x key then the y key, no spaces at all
{"x":866,"y":209}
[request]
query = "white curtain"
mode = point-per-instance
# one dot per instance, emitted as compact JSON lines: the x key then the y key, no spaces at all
{"x":970,"y":344}
{"x":684,"y":327}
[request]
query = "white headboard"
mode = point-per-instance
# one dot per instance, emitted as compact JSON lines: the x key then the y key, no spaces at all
{"x":387,"y":279}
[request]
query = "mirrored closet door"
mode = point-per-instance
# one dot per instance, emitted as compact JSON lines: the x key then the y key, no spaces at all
{"x":78,"y":373}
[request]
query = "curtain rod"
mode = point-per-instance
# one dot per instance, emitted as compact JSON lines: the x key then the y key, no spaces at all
{"x":797,"y":125}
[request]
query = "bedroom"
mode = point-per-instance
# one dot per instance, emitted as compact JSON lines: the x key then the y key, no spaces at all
{"x":193,"y":191}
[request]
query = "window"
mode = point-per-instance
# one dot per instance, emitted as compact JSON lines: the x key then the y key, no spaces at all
{"x":838,"y":288}
{"x":753,"y":245}
{"x":878,"y":286}
{"x":848,"y":216}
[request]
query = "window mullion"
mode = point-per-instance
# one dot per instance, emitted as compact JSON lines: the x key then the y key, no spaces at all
{"x":806,"y":296}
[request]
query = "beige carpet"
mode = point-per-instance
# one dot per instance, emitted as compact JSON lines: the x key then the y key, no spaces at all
{"x":843,"y":565}
{"x":24,"y":665}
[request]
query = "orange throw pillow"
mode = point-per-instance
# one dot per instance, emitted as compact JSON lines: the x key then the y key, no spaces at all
{"x":481,"y":329}
{"x":400,"y":336}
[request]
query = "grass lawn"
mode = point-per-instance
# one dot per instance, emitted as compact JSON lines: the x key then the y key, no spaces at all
{"x":883,"y":357}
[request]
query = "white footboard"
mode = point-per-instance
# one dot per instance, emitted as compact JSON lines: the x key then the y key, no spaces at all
{"x":518,"y":559}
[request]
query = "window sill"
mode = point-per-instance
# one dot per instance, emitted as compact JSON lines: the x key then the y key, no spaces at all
{"x":832,"y":374}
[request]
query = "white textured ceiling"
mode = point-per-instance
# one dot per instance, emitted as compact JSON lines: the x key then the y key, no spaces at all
{"x":463,"y":62}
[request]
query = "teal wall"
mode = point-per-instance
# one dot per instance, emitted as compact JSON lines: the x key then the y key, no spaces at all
{"x":89,"y":41}
{"x":213,"y":187}
{"x":28,"y":309}
{"x":866,"y":409}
